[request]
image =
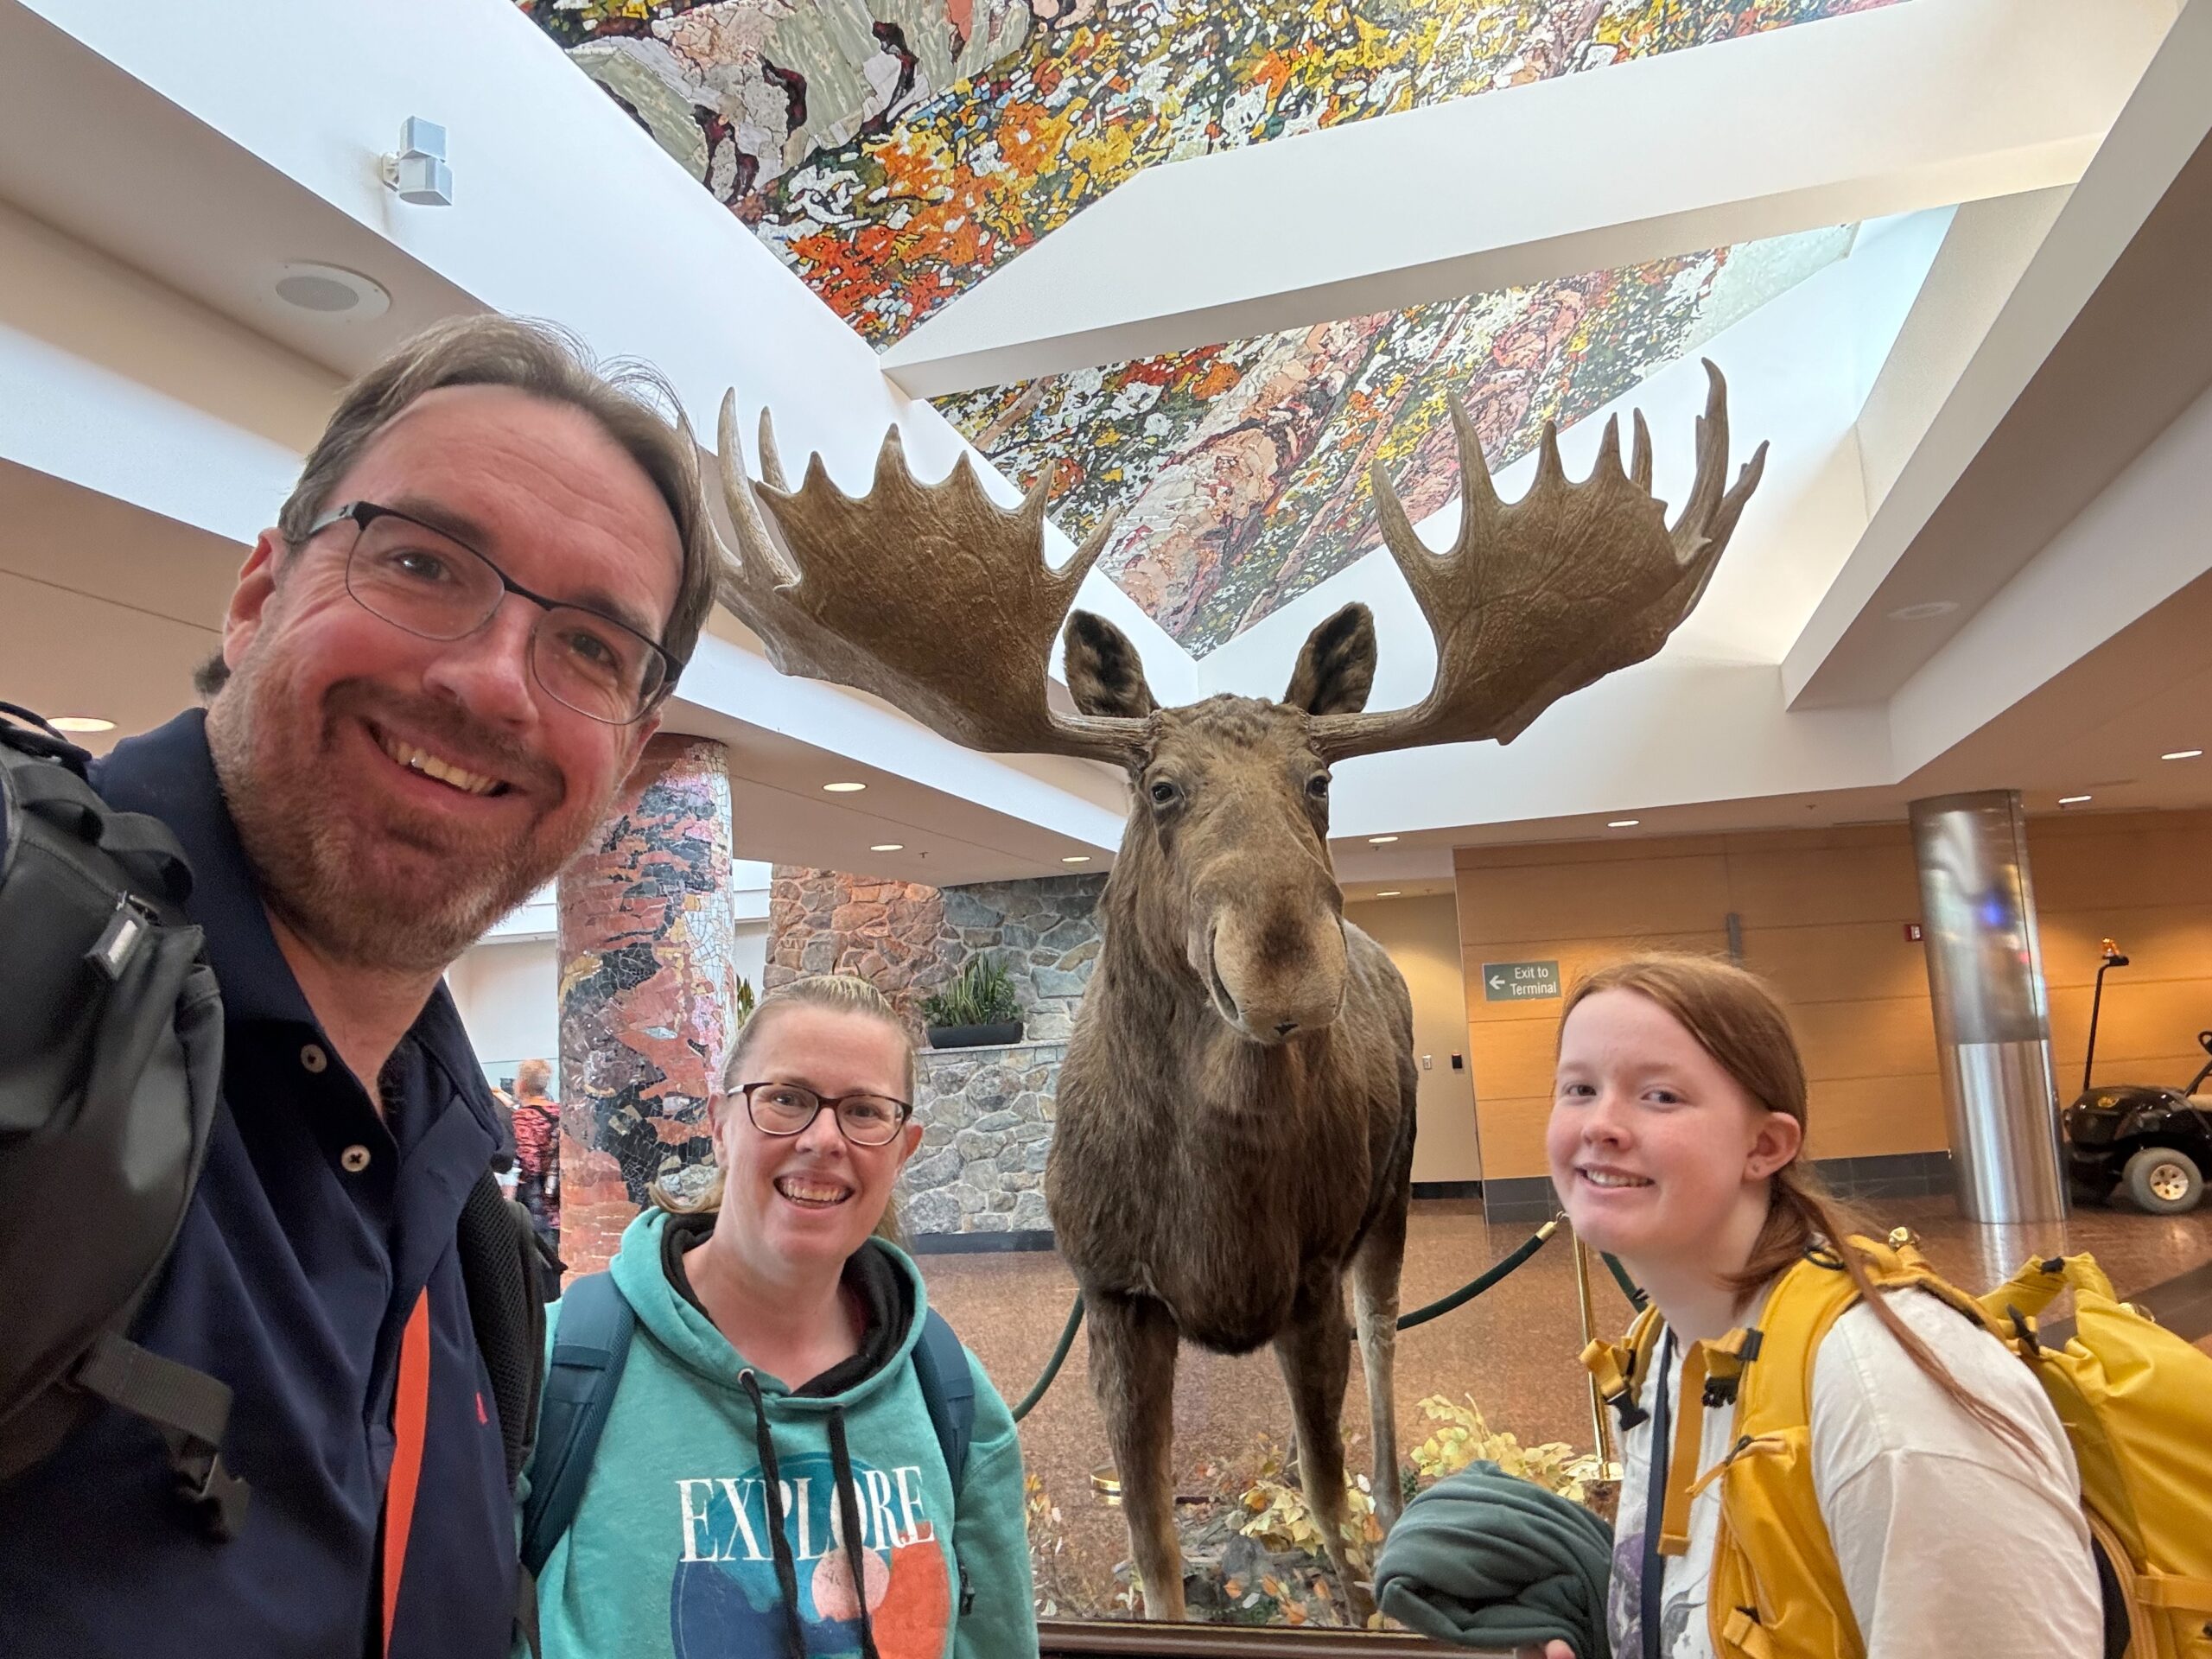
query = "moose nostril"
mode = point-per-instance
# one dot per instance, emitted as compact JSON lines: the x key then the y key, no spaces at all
{"x":1286,"y":1028}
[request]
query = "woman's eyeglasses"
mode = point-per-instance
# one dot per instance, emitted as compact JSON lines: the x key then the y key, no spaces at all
{"x":787,"y":1109}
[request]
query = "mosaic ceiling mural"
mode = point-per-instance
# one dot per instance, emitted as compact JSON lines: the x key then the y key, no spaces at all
{"x":894,"y":152}
{"x":1241,"y":471}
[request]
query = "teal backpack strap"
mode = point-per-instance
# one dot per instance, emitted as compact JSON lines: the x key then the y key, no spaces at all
{"x":589,"y":1348}
{"x":948,"y":1389}
{"x":948,"y":1392}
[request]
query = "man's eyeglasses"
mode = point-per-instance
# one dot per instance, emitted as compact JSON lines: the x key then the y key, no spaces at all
{"x":787,"y":1108}
{"x":424,"y":582}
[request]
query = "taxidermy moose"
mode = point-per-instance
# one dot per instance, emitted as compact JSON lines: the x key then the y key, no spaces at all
{"x":1235,"y":1111}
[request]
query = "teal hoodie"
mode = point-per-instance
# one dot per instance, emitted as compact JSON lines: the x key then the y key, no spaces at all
{"x":670,"y":1552}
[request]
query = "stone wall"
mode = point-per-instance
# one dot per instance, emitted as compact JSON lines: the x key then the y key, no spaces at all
{"x":987,"y":1118}
{"x":987,"y":1113}
{"x":826,"y":921}
{"x":1046,"y":934}
{"x":908,"y":940}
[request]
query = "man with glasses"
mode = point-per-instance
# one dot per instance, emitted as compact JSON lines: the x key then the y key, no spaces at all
{"x":436,"y":672}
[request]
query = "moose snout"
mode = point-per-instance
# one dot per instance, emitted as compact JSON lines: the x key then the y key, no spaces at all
{"x":1275,"y":974}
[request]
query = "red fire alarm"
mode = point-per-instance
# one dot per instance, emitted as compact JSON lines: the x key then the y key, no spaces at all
{"x":1912,"y":933}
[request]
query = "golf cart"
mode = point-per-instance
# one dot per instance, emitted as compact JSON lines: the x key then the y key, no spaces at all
{"x":2155,"y":1142}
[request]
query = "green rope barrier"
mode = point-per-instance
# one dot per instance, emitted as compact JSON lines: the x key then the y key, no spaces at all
{"x":1437,"y":1309}
{"x":1476,"y":1286}
{"x":1636,"y":1297}
{"x":1052,"y":1365}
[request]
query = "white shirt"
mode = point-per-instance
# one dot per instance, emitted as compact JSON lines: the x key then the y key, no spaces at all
{"x":1950,"y":1542}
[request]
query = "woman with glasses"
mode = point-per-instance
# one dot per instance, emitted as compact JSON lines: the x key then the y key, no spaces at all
{"x":785,"y":1468}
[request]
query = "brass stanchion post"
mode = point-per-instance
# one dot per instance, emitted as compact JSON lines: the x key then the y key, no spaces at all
{"x":1601,"y":1426}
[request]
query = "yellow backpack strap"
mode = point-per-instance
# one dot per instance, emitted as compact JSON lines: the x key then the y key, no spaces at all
{"x":1617,"y":1365}
{"x":1710,"y":1372}
{"x":2038,"y":1283}
{"x":2170,"y":1592}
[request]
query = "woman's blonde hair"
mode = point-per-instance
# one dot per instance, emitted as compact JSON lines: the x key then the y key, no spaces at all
{"x":1737,"y":1020}
{"x":839,"y":994}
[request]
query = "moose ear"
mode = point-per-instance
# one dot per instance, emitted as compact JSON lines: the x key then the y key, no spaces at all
{"x":1105,"y":674}
{"x":1337,"y":669}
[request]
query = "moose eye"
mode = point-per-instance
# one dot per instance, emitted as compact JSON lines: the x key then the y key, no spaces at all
{"x":1164,"y":793}
{"x":1317,"y":786}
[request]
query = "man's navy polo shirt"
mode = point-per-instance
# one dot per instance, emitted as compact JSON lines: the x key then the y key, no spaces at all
{"x":316,"y":1226}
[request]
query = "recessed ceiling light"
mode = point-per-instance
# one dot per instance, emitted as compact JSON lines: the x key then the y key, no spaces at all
{"x":330,"y":291}
{"x":1380,"y":841}
{"x":1391,"y":892}
{"x":1925,"y":611}
{"x":1076,"y":858}
{"x":2171,"y":754}
{"x":81,"y":723}
{"x":2072,"y":800}
{"x":889,"y":847}
{"x":1622,"y":823}
{"x":844,"y":789}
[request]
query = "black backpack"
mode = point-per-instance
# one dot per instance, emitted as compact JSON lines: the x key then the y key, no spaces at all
{"x":111,"y":1066}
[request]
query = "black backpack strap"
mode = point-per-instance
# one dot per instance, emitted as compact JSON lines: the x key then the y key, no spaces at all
{"x":189,"y":1407}
{"x":589,"y":1350}
{"x":500,"y":1259}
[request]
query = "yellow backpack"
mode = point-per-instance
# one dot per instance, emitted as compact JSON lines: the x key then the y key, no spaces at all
{"x":2136,"y":1401}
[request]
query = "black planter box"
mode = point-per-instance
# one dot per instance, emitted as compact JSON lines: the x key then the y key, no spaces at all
{"x":996,"y":1036}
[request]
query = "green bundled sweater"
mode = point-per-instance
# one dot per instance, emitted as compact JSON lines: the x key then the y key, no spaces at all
{"x":672,"y":1551}
{"x":1485,"y":1559}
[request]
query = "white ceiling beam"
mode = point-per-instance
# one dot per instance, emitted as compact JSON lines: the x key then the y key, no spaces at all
{"x":2100,"y":343}
{"x":1854,"y":117}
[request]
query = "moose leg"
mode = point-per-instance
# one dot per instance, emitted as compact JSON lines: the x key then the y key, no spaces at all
{"x":1133,"y":1374}
{"x":1374,"y":1306}
{"x":1315,"y":1353}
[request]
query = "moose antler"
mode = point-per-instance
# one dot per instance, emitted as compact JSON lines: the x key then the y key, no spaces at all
{"x":932,"y":596}
{"x":1539,"y":599}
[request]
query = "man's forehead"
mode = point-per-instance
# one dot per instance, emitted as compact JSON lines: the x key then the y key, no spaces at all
{"x":538,"y":484}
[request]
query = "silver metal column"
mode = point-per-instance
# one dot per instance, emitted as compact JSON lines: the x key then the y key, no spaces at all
{"x":1993,"y":1020}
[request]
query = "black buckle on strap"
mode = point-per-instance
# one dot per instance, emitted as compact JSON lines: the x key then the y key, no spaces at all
{"x":1631,"y":1414}
{"x":190,"y":1409}
{"x":214,"y":1494}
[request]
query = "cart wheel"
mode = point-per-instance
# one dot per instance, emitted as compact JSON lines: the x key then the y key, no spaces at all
{"x":2163,"y":1181}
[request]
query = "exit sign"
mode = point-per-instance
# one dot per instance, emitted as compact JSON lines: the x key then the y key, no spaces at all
{"x":1519,"y":981}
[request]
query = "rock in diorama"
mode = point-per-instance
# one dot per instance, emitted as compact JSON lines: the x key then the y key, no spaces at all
{"x":1236,"y":1112}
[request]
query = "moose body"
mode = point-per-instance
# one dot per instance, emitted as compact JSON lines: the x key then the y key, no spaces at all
{"x":1153,"y":1126}
{"x":1235,"y":1110}
{"x":1235,"y":1123}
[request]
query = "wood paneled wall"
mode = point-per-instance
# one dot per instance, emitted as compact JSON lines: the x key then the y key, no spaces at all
{"x":1823,"y":914}
{"x":2143,"y":879}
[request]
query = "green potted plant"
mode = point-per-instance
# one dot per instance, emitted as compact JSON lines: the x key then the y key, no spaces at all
{"x":977,"y":1008}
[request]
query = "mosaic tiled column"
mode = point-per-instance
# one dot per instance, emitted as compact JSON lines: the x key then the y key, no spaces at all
{"x":648,"y":981}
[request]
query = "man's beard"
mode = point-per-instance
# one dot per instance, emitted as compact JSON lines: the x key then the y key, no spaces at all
{"x":366,"y":895}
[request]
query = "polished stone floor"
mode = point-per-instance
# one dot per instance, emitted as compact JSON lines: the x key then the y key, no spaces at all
{"x":1514,"y":1349}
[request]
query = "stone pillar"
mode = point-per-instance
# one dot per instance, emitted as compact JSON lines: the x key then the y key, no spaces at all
{"x":648,"y":983}
{"x":1992,"y":1025}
